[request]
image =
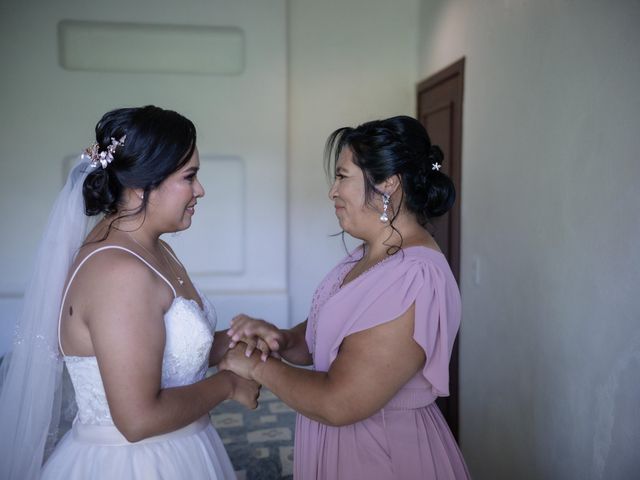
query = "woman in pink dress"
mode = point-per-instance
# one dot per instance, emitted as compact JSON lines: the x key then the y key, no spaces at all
{"x":382,"y":322}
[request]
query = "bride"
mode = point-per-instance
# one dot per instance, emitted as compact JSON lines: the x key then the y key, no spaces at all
{"x":118,"y":308}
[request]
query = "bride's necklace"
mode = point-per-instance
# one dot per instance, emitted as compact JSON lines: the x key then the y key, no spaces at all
{"x":164,"y":256}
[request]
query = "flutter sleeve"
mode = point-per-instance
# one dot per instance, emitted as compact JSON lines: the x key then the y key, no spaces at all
{"x":390,"y":292}
{"x":437,"y":319}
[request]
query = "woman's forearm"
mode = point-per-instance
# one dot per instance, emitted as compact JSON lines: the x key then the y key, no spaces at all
{"x":174,"y":408}
{"x":297,"y":350}
{"x":309,"y":392}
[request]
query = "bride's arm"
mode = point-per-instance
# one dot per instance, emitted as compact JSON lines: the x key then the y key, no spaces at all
{"x":126,"y":325}
{"x":219,"y":347}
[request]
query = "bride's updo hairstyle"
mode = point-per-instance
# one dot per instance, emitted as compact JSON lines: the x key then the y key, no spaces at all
{"x":397,"y":146}
{"x":157,"y":142}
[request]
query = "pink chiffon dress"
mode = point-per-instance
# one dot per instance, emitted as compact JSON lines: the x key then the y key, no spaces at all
{"x":408,"y":438}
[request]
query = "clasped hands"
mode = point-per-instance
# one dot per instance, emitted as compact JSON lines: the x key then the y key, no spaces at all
{"x":248,"y":336}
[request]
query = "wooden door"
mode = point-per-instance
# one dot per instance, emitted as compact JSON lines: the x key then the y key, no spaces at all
{"x":440,"y":111}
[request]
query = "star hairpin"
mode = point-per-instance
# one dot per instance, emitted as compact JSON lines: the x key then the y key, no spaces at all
{"x":436,"y":166}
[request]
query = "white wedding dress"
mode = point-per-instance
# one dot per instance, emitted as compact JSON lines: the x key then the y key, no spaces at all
{"x":95,"y":449}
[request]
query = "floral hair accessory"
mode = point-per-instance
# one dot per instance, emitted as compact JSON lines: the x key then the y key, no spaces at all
{"x":436,"y":166}
{"x":105,"y":157}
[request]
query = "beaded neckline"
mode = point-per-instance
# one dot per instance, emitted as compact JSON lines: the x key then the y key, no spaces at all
{"x":345,"y":271}
{"x":338,"y":286}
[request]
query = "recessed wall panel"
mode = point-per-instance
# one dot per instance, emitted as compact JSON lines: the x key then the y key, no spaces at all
{"x":149,"y":48}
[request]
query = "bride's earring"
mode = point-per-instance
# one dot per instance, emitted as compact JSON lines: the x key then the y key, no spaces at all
{"x":385,"y":205}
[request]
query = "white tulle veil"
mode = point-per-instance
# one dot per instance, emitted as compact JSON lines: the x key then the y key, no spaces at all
{"x":31,"y":376}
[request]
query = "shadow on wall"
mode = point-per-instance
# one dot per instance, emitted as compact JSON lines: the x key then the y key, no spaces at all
{"x":613,"y":426}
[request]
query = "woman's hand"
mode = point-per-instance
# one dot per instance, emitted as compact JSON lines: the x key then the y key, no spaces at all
{"x":236,"y":361}
{"x":243,"y":391}
{"x":257,"y":334}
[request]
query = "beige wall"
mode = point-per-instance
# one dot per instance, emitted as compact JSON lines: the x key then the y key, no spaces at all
{"x":236,"y":249}
{"x":349,"y":62}
{"x":550,"y":366}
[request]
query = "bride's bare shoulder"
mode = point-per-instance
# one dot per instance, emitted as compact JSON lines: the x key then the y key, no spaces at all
{"x":105,"y":268}
{"x":101,"y":254}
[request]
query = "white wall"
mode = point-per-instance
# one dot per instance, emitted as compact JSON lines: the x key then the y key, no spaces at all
{"x":349,"y":62}
{"x":550,"y":346}
{"x":236,"y":250}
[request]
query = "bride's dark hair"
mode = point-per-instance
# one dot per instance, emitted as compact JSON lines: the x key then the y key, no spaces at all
{"x":158,"y":142}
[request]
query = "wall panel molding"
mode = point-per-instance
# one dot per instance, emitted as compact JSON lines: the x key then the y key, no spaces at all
{"x":150,"y":48}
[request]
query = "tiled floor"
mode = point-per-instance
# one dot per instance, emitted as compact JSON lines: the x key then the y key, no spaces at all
{"x":259,"y":442}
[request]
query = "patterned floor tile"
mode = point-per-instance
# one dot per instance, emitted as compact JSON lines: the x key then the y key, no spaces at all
{"x":260,"y":445}
{"x":286,"y":460}
{"x":227,"y":420}
{"x":270,"y":435}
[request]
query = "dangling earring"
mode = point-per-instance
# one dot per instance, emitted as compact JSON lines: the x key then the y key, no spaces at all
{"x":385,"y":205}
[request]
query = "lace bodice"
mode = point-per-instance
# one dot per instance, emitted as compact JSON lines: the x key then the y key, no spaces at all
{"x":189,"y":332}
{"x":189,"y":335}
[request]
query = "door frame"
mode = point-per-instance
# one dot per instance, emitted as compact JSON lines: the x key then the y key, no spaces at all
{"x":450,"y":405}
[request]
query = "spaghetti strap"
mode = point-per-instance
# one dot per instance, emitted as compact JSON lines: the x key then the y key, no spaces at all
{"x":73,"y":275}
{"x":168,"y":250}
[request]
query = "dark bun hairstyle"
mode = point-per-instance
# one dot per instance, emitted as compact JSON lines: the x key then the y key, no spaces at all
{"x":397,"y":146}
{"x":158,"y":142}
